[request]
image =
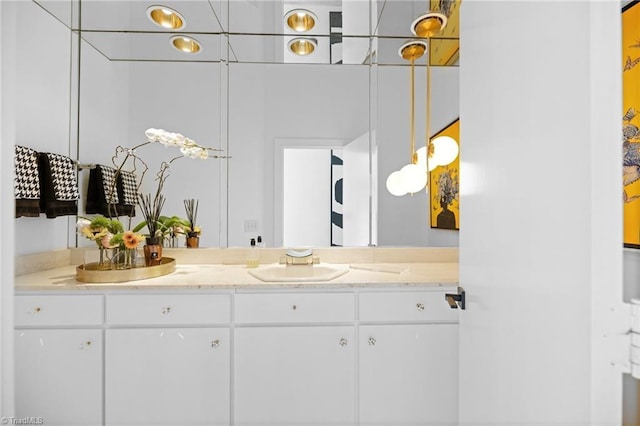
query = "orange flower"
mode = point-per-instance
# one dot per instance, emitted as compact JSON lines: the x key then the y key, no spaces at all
{"x":131,"y":239}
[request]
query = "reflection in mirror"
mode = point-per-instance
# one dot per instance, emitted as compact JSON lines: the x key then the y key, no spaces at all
{"x":246,"y":93}
{"x":273,"y":107}
{"x":42,"y":97}
{"x":119,"y":100}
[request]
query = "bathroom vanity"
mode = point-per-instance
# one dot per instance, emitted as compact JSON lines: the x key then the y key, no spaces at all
{"x":211,"y":344}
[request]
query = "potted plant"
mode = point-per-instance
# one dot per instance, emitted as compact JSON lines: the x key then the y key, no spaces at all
{"x":193,"y":231}
{"x":170,"y":228}
{"x":151,"y":209}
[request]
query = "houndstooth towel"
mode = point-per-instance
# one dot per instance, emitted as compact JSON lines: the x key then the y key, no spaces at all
{"x":58,"y":185}
{"x":27,"y":182}
{"x":128,"y":193}
{"x":111,"y":192}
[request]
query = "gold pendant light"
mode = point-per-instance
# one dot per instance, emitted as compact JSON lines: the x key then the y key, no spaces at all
{"x":444,"y":149}
{"x":411,"y":178}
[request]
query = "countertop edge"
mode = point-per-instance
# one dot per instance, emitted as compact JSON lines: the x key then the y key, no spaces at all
{"x":234,"y":277}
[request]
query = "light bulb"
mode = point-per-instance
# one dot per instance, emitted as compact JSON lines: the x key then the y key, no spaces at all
{"x":422,"y":159}
{"x":395,"y":184}
{"x":445,"y":149}
{"x":414,"y":177}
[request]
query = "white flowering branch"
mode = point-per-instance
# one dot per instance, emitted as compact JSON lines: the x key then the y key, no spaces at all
{"x":188,"y":148}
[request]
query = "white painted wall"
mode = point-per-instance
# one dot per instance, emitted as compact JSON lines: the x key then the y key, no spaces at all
{"x":42,"y":105}
{"x":541,"y":222}
{"x":404,"y":221}
{"x":8,"y":69}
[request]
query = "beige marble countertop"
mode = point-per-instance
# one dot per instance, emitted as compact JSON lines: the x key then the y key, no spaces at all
{"x":221,"y":276}
{"x":213,"y":268}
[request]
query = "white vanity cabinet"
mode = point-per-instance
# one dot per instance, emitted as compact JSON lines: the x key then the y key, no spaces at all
{"x":408,"y":359}
{"x":294,"y":359}
{"x":58,"y":359}
{"x":167,"y":360}
{"x":383,"y":356}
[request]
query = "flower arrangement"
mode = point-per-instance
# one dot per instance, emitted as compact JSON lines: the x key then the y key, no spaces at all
{"x":158,"y":225}
{"x":110,"y":232}
{"x":102,"y":230}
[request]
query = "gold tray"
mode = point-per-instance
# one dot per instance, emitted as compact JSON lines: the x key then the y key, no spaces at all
{"x":89,"y":273}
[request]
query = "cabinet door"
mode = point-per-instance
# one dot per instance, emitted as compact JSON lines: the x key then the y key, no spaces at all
{"x":294,"y":376}
{"x":167,"y":376}
{"x":408,"y":375}
{"x":58,"y":376}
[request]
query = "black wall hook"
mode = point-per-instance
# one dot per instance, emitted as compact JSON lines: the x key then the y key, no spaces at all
{"x":456,"y":300}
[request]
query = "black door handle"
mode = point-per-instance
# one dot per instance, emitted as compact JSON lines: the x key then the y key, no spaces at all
{"x":457,"y":300}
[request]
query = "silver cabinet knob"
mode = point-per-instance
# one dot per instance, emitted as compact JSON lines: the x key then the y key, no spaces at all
{"x":37,"y":309}
{"x":372,"y":341}
{"x":215,"y":343}
{"x":294,"y":307}
{"x":166,"y":310}
{"x":86,"y":345}
{"x":343,"y":342}
{"x":420,"y":306}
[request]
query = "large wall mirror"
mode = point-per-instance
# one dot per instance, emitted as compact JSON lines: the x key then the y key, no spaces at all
{"x":293,"y":124}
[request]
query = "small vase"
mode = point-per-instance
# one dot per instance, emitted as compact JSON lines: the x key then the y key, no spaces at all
{"x":123,"y":258}
{"x":153,"y":252}
{"x":103,"y":261}
{"x":97,"y":260}
{"x":193,"y":240}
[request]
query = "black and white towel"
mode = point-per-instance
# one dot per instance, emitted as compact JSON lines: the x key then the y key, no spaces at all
{"x":127,"y":193}
{"x":102,"y":193}
{"x":27,"y":182}
{"x":58,"y":185}
{"x":111,"y":192}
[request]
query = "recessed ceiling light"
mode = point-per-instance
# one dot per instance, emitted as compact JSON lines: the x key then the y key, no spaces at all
{"x":302,"y":46}
{"x":412,"y":50}
{"x":429,"y":24}
{"x":165,"y":17}
{"x":300,"y":20}
{"x":186,"y":44}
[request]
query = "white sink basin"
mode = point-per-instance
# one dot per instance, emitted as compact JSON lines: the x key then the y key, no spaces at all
{"x":300,"y":273}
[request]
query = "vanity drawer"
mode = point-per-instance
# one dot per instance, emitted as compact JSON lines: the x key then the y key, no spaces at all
{"x":294,"y":308}
{"x":168,"y":309}
{"x":58,"y":310}
{"x":406,"y":306}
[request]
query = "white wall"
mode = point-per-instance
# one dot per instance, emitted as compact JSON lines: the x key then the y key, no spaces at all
{"x":405,"y":220}
{"x":8,"y":43}
{"x":541,"y":222}
{"x":42,"y":120}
